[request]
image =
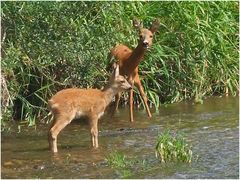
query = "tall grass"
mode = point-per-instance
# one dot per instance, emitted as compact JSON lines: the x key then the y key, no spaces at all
{"x":54,"y":45}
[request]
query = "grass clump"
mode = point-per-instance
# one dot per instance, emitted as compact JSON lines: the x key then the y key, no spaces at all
{"x":117,"y":159}
{"x":120,"y":163}
{"x":172,"y":148}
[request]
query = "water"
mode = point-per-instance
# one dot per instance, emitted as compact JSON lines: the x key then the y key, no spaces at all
{"x":211,"y":128}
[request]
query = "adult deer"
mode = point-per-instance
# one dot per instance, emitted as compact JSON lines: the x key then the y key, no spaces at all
{"x":129,"y":60}
{"x":71,"y":103}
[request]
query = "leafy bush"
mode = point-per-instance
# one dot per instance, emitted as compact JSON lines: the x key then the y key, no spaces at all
{"x":49,"y":46}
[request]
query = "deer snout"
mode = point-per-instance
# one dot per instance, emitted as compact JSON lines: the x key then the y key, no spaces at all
{"x":145,"y":44}
{"x":129,"y":87}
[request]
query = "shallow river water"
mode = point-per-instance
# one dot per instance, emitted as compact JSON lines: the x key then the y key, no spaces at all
{"x":212,"y":128}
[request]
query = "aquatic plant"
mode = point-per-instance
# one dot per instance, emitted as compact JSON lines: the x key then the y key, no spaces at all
{"x":119,"y":161}
{"x":172,"y":148}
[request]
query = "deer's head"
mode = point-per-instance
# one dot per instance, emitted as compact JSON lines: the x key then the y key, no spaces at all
{"x":117,"y":81}
{"x":146,"y":35}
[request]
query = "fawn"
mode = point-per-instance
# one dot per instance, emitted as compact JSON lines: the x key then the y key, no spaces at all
{"x":129,"y":60}
{"x":71,"y":103}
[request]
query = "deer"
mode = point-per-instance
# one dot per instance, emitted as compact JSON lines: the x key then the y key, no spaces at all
{"x":72,"y":103}
{"x":129,"y":60}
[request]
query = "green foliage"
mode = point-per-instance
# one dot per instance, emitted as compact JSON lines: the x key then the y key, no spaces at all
{"x":53,"y":45}
{"x":172,"y":148}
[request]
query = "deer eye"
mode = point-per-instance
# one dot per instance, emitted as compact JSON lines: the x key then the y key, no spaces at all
{"x":151,"y":36}
{"x":140,"y":36}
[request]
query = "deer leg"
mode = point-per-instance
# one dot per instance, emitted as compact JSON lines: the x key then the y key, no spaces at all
{"x":116,"y":103}
{"x":94,"y":131}
{"x":118,"y":96}
{"x":49,"y":134}
{"x":143,"y":95}
{"x":131,"y":100}
{"x":58,"y":124}
{"x":131,"y":105}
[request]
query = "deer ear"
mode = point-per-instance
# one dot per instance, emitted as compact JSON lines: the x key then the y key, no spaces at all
{"x":136,"y":23}
{"x":155,"y":25}
{"x":116,"y":71}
